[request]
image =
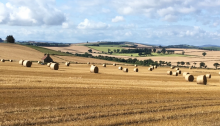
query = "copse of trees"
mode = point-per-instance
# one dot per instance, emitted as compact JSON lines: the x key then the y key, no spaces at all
{"x":130,"y":60}
{"x":145,"y":51}
{"x":10,"y":39}
{"x":216,"y":65}
{"x":204,"y":53}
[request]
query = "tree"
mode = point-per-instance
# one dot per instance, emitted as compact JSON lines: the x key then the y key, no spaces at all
{"x":114,"y":50}
{"x":10,"y":39}
{"x":202,"y":64}
{"x":163,"y":50}
{"x":139,"y":53}
{"x":118,"y":50}
{"x":187,"y":63}
{"x":183,"y":52}
{"x":109,"y":50}
{"x":154,"y":50}
{"x":90,"y":50}
{"x":182,"y":63}
{"x":204,"y":53}
{"x":194,"y":64}
{"x":216,"y":65}
{"x":178,"y":63}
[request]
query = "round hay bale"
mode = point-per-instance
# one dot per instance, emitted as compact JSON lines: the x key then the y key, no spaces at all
{"x":27,"y":63}
{"x":88,"y":63}
{"x":125,"y":70}
{"x":135,"y":69}
{"x":208,"y":75}
{"x":178,"y":71}
{"x":202,"y":79}
{"x":172,"y":67}
{"x":38,"y":62}
{"x":185,"y":73}
{"x":54,"y":66}
{"x":114,"y":64}
{"x":120,"y":67}
{"x":48,"y":64}
{"x":135,"y":65}
{"x":150,"y":69}
{"x":155,"y":67}
{"x":94,"y":69}
{"x":189,"y":77}
{"x":67,"y":63}
{"x":21,"y":62}
{"x":177,"y":68}
{"x":169,"y":72}
{"x":10,"y":60}
{"x":2,"y":60}
{"x":190,"y":67}
{"x":104,"y":65}
{"x":175,"y":74}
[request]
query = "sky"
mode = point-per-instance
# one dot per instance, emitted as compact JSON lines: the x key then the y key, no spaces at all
{"x":161,"y":22}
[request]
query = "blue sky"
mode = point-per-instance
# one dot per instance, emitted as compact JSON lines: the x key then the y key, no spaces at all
{"x":165,"y":22}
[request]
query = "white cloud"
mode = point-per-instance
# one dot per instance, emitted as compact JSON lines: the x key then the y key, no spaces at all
{"x":104,"y":10}
{"x":118,"y":18}
{"x":31,"y":12}
{"x":86,"y":24}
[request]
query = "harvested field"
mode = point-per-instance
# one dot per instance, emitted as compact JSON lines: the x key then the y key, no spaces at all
{"x":74,"y":96}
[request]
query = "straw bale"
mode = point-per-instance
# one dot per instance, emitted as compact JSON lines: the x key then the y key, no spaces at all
{"x":172,"y":67}
{"x":10,"y":60}
{"x":150,"y":69}
{"x":54,"y":66}
{"x":120,"y":67}
{"x":189,"y":77}
{"x":27,"y":63}
{"x":208,"y":75}
{"x":155,"y":66}
{"x":169,"y":72}
{"x":2,"y":60}
{"x":185,"y":73}
{"x":201,"y":79}
{"x":125,"y":70}
{"x":135,"y":65}
{"x":67,"y":63}
{"x":104,"y":65}
{"x":38,"y":62}
{"x":21,"y":62}
{"x":177,"y":68}
{"x":48,"y":64}
{"x":94,"y":69}
{"x":114,"y":64}
{"x":178,"y":71}
{"x":88,"y":63}
{"x":175,"y":74}
{"x":135,"y":69}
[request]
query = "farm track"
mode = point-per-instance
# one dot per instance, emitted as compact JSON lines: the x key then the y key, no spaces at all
{"x":74,"y":96}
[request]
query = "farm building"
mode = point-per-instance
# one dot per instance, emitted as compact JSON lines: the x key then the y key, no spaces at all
{"x":46,"y":58}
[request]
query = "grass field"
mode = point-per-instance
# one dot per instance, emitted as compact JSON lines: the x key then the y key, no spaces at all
{"x":74,"y":96}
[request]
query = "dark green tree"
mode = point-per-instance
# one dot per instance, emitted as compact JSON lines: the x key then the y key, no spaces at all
{"x":202,"y":64}
{"x":182,"y":63}
{"x":204,"y":53}
{"x":187,"y":63}
{"x":10,"y":39}
{"x":178,"y":63}
{"x":216,"y":65}
{"x":90,"y":50}
{"x":154,"y":50}
{"x":163,"y":50}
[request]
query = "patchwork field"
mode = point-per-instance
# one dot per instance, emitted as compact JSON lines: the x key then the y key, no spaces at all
{"x":74,"y":96}
{"x":191,"y":55}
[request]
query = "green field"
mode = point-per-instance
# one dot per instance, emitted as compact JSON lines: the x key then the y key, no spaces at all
{"x":169,"y":55}
{"x":105,"y":49}
{"x":126,"y":54}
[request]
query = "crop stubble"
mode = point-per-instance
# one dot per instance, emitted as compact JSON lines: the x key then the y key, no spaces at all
{"x":74,"y":96}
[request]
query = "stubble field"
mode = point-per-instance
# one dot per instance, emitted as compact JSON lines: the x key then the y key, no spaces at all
{"x":74,"y":96}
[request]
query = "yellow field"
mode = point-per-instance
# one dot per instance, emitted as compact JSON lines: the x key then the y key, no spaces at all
{"x":74,"y":96}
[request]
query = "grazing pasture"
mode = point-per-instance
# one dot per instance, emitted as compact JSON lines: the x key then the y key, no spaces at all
{"x":72,"y":95}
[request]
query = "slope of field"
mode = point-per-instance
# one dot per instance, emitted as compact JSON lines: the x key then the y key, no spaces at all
{"x":74,"y":96}
{"x":17,"y":52}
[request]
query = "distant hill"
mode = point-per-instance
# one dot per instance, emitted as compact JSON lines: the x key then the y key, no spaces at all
{"x":209,"y":46}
